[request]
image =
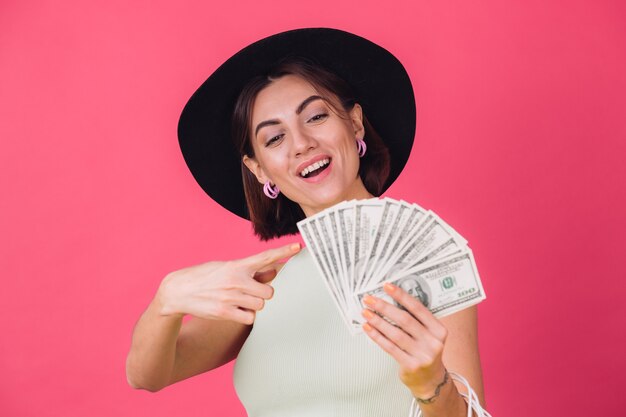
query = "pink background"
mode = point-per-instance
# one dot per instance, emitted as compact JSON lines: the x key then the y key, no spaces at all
{"x":520,"y":146}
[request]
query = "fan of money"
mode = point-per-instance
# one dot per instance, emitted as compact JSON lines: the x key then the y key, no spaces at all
{"x":359,"y":245}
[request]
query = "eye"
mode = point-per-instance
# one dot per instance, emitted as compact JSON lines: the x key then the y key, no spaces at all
{"x":318,"y":117}
{"x":273,"y":140}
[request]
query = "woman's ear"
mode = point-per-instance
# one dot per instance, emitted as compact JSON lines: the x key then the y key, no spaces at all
{"x":253,"y":165}
{"x":356,"y":116}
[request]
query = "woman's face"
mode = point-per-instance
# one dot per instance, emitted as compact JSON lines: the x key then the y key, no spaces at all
{"x":304,"y":147}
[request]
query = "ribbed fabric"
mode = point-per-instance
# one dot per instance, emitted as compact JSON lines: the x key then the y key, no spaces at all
{"x":300,"y":359}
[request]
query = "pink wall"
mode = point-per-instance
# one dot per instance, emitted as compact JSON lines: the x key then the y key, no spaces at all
{"x":521,"y":142}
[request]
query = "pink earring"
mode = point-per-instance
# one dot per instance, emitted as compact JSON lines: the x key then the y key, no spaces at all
{"x":360,"y":144}
{"x":270,"y":190}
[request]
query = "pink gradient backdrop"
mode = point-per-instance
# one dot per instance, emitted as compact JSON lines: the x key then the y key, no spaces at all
{"x":520,"y":146}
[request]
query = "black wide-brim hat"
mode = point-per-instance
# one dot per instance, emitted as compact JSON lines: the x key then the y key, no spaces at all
{"x":379,"y":81}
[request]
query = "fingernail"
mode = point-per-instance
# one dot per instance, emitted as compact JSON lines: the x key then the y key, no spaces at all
{"x":367,"y":313}
{"x":389,"y":287}
{"x":367,"y":327}
{"x":369,"y":300}
{"x":295,"y":246}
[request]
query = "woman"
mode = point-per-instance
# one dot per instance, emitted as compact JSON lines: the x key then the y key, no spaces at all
{"x":301,"y":132}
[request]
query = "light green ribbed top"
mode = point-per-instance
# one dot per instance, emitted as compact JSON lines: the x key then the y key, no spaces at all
{"x":300,"y":359}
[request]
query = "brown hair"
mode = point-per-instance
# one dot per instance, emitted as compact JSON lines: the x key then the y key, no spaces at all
{"x":275,"y":218}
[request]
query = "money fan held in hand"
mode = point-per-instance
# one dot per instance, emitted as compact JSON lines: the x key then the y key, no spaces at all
{"x":359,"y":245}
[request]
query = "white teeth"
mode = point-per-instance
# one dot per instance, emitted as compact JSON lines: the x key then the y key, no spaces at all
{"x":314,"y":166}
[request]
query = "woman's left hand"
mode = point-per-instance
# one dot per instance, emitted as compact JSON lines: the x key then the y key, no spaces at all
{"x":416,"y":343}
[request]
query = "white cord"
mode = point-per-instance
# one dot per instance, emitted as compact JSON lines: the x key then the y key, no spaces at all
{"x":471,"y":399}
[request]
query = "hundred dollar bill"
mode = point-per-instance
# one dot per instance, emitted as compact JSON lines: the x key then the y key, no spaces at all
{"x":366,"y":217}
{"x":318,"y":254}
{"x":325,"y":241}
{"x":332,"y":222}
{"x":391,"y":211}
{"x":405,"y":217}
{"x":357,"y":245}
{"x":345,"y":215}
{"x":432,"y":239}
{"x":330,"y":234}
{"x":444,"y":287}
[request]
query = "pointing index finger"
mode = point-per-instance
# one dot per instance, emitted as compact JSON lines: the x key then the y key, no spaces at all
{"x":268,"y":257}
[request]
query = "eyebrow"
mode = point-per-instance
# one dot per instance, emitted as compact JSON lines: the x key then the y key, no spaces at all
{"x":298,"y":111}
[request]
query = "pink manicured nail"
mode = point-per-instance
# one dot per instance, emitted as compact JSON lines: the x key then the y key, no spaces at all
{"x":369,"y":300}
{"x":389,"y":287}
{"x":367,"y":314}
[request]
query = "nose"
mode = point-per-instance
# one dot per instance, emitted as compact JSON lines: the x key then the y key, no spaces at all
{"x":303,"y":142}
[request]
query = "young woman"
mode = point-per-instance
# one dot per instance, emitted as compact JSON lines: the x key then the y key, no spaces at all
{"x":299,"y":126}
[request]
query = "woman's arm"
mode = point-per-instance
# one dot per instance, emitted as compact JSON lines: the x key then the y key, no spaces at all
{"x":164,"y":351}
{"x":425,"y":347}
{"x":460,"y":355}
{"x":222,"y":297}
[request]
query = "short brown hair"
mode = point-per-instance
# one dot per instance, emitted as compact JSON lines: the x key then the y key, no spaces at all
{"x":276,"y":218}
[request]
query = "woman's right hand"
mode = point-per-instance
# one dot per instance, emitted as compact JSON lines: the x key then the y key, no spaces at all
{"x":231,"y":290}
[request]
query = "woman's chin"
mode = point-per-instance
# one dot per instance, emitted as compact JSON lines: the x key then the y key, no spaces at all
{"x":328,"y":195}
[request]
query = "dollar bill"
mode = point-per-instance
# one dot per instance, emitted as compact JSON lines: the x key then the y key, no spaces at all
{"x":430,"y":240}
{"x":319,"y":255}
{"x":367,"y":217}
{"x":444,"y":287}
{"x":345,"y":214}
{"x":405,"y":216}
{"x":360,"y":244}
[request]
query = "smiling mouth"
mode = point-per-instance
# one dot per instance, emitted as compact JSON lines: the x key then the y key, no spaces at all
{"x":315,"y":169}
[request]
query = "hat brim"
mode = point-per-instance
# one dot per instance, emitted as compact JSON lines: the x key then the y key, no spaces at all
{"x":380,"y":82}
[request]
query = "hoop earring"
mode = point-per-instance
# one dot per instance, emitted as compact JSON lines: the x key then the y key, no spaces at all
{"x":361,"y":146}
{"x":270,"y":190}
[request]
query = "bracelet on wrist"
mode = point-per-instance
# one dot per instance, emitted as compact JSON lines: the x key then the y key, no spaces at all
{"x":473,"y":403}
{"x":432,"y":399}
